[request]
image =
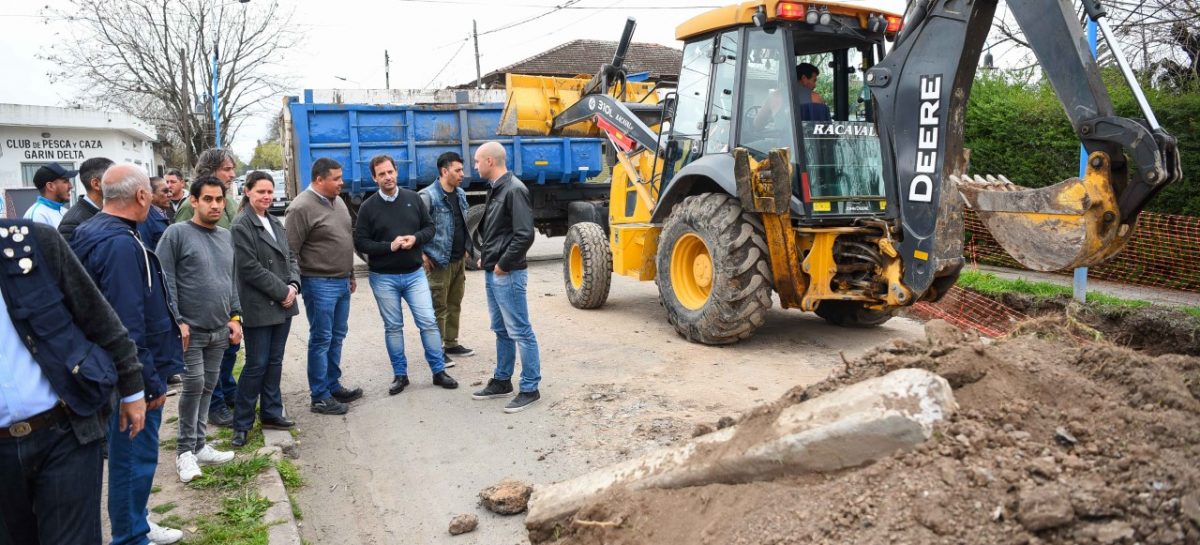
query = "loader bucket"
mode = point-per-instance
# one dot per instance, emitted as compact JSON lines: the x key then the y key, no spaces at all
{"x":1074,"y":223}
{"x":534,"y":101}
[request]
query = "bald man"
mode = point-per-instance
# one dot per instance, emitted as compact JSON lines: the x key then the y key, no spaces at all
{"x":131,"y":278}
{"x":506,"y":233}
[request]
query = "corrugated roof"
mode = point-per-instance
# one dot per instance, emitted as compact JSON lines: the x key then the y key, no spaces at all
{"x":586,"y":56}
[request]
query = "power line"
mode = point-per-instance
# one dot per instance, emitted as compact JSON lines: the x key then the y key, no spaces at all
{"x":447,"y":65}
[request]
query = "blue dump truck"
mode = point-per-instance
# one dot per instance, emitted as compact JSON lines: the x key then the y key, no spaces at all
{"x":566,"y":177}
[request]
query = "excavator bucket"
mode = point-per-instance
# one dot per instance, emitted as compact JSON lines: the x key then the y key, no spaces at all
{"x":1075,"y":223}
{"x":535,"y":101}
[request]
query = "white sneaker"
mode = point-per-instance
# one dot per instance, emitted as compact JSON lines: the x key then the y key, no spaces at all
{"x":209,"y":455}
{"x":186,"y":465}
{"x":163,"y":536}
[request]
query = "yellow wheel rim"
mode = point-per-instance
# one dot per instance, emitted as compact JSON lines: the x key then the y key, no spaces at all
{"x":691,"y":271}
{"x":575,"y":264}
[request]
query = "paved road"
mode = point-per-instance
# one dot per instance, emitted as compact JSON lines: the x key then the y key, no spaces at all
{"x":617,"y":381}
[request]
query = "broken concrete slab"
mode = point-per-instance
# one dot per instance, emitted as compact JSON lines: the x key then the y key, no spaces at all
{"x":859,"y":424}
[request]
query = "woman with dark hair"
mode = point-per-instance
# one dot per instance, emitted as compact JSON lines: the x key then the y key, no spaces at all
{"x":268,"y":279}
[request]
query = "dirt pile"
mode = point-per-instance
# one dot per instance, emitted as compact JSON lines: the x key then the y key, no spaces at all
{"x":1152,"y":329}
{"x":1055,"y":442}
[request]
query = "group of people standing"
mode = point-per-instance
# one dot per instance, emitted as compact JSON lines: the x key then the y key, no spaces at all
{"x":154,"y":288}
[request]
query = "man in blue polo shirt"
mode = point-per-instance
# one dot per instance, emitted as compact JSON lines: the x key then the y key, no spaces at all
{"x":53,"y":183}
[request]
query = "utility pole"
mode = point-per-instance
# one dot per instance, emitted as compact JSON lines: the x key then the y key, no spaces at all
{"x":478,"y":74}
{"x":387,"y":71}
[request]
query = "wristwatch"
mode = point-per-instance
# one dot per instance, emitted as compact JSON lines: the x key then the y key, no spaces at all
{"x":236,"y":318}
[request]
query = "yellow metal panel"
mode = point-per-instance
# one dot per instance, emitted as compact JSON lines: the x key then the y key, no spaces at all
{"x":741,"y":14}
{"x":534,"y":101}
{"x":632,"y":198}
{"x":633,"y":248}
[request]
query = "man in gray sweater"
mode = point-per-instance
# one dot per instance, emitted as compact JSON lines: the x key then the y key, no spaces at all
{"x":197,"y":258}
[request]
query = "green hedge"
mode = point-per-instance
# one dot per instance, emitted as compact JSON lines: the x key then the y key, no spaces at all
{"x":1021,"y":131}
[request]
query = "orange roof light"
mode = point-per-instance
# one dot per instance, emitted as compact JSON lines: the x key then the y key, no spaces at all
{"x":894,"y":24}
{"x":789,"y":10}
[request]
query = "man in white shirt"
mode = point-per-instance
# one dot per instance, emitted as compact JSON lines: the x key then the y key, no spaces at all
{"x":53,"y":183}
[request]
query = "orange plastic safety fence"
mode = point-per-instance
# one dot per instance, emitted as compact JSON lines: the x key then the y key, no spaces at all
{"x":1163,"y":252}
{"x":970,"y":310}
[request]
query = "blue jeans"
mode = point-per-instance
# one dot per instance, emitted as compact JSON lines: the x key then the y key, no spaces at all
{"x":261,"y":374}
{"x":226,"y":391}
{"x":327,"y":306}
{"x":51,"y":490}
{"x":413,"y":287}
{"x":510,"y":321}
{"x":131,"y":465}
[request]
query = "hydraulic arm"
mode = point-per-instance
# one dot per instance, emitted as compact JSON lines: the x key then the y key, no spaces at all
{"x":921,"y":89}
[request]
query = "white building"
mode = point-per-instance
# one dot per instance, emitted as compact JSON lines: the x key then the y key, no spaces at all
{"x":32,"y":136}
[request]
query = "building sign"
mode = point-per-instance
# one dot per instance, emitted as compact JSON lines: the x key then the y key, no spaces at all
{"x":51,"y":149}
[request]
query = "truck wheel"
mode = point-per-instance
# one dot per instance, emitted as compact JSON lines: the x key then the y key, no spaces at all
{"x":474,"y":216}
{"x":713,"y":275}
{"x":852,"y":314}
{"x":587,"y":265}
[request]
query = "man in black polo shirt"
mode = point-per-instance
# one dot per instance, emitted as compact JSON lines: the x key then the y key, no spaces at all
{"x":392,"y":226}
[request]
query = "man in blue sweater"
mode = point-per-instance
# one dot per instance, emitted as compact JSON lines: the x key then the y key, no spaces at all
{"x":130,"y":277}
{"x":392,"y":226}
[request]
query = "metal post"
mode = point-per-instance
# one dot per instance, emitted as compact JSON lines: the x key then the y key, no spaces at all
{"x":478,"y":73}
{"x":1080,"y":283}
{"x":216,"y":89}
{"x":387,"y":71}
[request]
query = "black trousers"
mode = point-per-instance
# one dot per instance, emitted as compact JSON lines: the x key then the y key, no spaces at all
{"x":51,"y":488}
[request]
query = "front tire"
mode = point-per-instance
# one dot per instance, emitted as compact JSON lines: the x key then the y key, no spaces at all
{"x":587,"y":265}
{"x":713,"y":275}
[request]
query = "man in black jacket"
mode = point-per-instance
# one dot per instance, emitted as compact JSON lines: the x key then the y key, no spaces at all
{"x":507,"y":233}
{"x":392,"y":226}
{"x":90,"y":173}
{"x":62,"y":351}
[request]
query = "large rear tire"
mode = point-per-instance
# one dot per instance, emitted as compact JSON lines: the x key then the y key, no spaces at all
{"x":474,"y":216}
{"x":713,"y":275}
{"x":852,"y":314}
{"x":587,"y":265}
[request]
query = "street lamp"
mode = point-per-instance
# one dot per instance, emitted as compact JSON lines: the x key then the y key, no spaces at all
{"x":216,"y":80}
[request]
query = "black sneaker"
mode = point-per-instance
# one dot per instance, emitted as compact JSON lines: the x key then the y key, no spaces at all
{"x":459,"y":350}
{"x":239,"y":439}
{"x":221,"y":417}
{"x":278,"y":424}
{"x":495,"y":388}
{"x":448,"y":362}
{"x":175,"y":379}
{"x":522,"y":402}
{"x":329,"y":406}
{"x":399,"y":383}
{"x":445,"y":381}
{"x":346,"y":395}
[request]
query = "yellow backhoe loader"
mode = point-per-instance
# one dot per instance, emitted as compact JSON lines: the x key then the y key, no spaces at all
{"x":841,"y":192}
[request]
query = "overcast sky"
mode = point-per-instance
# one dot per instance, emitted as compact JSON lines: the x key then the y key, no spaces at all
{"x":346,"y":39}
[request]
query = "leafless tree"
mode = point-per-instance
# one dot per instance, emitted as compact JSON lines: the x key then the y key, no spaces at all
{"x":153,"y":59}
{"x":1161,"y":38}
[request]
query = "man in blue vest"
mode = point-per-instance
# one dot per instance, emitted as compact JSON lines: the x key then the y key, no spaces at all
{"x":130,"y":277}
{"x":63,"y":350}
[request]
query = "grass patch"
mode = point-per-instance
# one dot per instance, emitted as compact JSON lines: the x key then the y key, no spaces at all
{"x":169,"y":444}
{"x":172,"y":420}
{"x":296,"y":512}
{"x":239,"y":522}
{"x":174,"y":521}
{"x":155,"y":489}
{"x":163,"y":508}
{"x":233,"y":475}
{"x":290,"y":474}
{"x":1193,"y":311}
{"x":990,"y":284}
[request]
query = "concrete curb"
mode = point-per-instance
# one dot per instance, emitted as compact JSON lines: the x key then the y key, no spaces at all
{"x":283,"y":529}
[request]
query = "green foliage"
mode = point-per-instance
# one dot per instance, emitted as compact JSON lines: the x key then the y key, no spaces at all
{"x":268,"y":156}
{"x":290,"y":474}
{"x":233,"y":475}
{"x":992,"y":285}
{"x":238,"y":523}
{"x":163,"y":508}
{"x":1194,"y":311}
{"x":1021,"y":131}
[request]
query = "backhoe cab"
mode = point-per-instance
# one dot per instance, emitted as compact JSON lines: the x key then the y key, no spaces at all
{"x":842,"y":195}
